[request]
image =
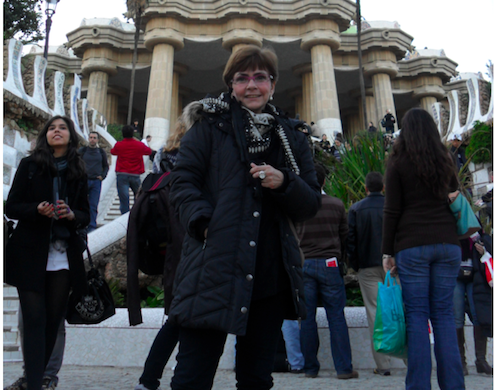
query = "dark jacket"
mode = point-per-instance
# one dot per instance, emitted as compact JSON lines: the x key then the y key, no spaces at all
{"x":364,"y":242}
{"x":211,"y":181}
{"x":27,"y":248}
{"x":482,"y":292}
{"x":136,"y":244}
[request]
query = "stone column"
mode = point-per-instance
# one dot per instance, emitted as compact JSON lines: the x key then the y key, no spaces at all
{"x":307,"y":110}
{"x":370,"y":111}
{"x":320,"y":38}
{"x":381,"y":66}
{"x":98,"y":64}
{"x":176,"y":109}
{"x":112,"y":108}
{"x":240,"y":35}
{"x":427,"y":102}
{"x":163,"y":41}
{"x":427,"y":89}
{"x":112,"y":112}
{"x":97,"y":91}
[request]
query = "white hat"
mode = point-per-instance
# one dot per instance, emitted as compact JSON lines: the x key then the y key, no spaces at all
{"x":457,"y":137}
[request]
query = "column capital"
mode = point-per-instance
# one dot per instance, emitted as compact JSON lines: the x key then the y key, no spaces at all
{"x":168,"y":36}
{"x":428,"y":91}
{"x":320,"y":37}
{"x":100,"y":64}
{"x":387,"y":67}
{"x":241,"y":36}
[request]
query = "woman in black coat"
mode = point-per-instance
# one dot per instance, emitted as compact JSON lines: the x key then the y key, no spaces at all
{"x":244,"y":174}
{"x":49,"y":198}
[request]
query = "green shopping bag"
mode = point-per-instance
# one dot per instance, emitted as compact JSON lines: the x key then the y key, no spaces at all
{"x":389,"y":334}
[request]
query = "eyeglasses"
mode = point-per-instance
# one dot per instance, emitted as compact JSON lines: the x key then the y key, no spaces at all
{"x":258,"y":79}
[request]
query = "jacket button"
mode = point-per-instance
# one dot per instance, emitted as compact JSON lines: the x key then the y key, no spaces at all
{"x":256,"y":214}
{"x":249,"y":277}
{"x":220,"y":124}
{"x":252,"y":244}
{"x":244,"y":310}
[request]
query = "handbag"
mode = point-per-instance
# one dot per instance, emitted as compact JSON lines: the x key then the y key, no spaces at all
{"x":487,"y":260}
{"x":389,"y":333}
{"x":95,"y":306}
{"x":467,"y":223}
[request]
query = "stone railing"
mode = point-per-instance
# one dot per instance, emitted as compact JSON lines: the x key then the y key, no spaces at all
{"x":30,"y":100}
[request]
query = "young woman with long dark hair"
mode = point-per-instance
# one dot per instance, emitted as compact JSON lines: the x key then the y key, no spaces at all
{"x":49,"y":198}
{"x":420,"y":232}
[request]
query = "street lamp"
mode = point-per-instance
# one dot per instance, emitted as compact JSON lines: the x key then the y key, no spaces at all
{"x":51,"y":5}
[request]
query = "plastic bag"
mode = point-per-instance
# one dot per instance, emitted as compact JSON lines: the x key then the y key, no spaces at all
{"x":389,"y":335}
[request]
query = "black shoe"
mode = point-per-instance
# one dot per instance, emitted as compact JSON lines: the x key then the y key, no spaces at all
{"x":381,"y":372}
{"x":482,"y":367}
{"x":350,"y":375}
{"x":297,"y":371}
{"x":49,"y":383}
{"x":311,"y":374}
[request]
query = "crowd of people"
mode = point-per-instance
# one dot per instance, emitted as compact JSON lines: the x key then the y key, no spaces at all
{"x":254,"y":258}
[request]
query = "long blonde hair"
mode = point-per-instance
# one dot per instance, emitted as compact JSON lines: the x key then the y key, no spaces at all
{"x":178,"y":132}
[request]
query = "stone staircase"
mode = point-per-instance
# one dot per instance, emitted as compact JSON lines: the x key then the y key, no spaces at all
{"x":112,"y":211}
{"x":11,"y":337}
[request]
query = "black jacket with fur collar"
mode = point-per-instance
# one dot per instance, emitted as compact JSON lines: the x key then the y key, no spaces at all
{"x":211,"y":182}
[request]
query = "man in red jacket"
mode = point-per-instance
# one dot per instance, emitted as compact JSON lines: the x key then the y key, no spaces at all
{"x":130,"y":165}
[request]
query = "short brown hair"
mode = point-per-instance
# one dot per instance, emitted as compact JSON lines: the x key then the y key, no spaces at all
{"x":251,"y":57}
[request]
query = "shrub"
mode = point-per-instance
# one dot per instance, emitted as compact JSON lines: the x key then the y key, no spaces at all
{"x":480,"y":146}
{"x":116,"y":131}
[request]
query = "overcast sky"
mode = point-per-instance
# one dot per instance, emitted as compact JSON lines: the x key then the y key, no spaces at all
{"x":465,"y":32}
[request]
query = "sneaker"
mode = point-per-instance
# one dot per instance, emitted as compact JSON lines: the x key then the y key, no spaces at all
{"x":381,"y":372}
{"x":19,"y":384}
{"x":311,"y":374}
{"x":142,"y":387}
{"x":350,"y":375}
{"x":49,"y":383}
{"x":297,"y":371}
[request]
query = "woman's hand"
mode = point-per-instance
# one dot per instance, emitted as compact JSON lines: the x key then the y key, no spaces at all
{"x":480,"y":248}
{"x":270,"y":177}
{"x":453,"y":196}
{"x":63,"y":210}
{"x":46,"y":209}
{"x":389,"y":265}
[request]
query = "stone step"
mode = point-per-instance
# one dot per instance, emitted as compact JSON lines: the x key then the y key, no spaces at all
{"x":10,"y":337}
{"x":10,"y":346}
{"x":12,"y":356}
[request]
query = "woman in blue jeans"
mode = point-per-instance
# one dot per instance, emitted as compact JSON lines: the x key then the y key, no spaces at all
{"x":420,"y":243}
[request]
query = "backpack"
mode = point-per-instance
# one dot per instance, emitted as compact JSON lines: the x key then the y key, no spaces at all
{"x":150,"y":215}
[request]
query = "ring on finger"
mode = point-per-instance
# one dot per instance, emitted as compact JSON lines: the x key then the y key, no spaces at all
{"x":262,"y":175}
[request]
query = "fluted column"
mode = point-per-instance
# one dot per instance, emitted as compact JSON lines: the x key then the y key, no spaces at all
{"x":381,"y":66}
{"x":299,"y":107}
{"x":370,"y":112}
{"x":305,"y":72}
{"x":354,"y":125}
{"x":326,"y":100}
{"x":320,"y":38}
{"x":384,"y":98}
{"x":112,"y":108}
{"x":97,"y":91}
{"x":163,"y":41}
{"x":427,"y":103}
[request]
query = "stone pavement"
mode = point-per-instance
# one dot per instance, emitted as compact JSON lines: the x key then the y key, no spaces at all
{"x":125,"y":378}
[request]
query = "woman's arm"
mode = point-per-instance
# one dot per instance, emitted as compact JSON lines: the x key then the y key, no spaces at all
{"x":19,"y":203}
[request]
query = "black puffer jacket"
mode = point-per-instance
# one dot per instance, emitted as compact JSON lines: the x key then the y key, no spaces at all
{"x":211,"y":182}
{"x":364,"y":242}
{"x":482,"y":292}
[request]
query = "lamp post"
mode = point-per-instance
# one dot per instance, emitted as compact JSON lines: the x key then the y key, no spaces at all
{"x":51,"y":5}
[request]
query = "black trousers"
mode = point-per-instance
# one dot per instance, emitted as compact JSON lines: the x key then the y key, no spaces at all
{"x":200,"y":349}
{"x":42,"y":313}
{"x":162,"y":348}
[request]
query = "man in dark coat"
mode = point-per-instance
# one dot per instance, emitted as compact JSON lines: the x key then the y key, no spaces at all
{"x":365,"y":253}
{"x":388,"y":122}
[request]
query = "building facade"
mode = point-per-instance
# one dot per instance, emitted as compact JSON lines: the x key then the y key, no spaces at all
{"x":184,"y":46}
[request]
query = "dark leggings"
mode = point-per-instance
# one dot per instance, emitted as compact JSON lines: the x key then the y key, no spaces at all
{"x":163,"y":346}
{"x":41,"y":314}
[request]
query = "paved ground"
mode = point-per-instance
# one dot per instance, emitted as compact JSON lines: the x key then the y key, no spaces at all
{"x":118,"y":378}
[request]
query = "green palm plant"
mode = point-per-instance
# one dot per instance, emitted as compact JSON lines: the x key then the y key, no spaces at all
{"x":346,"y":179}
